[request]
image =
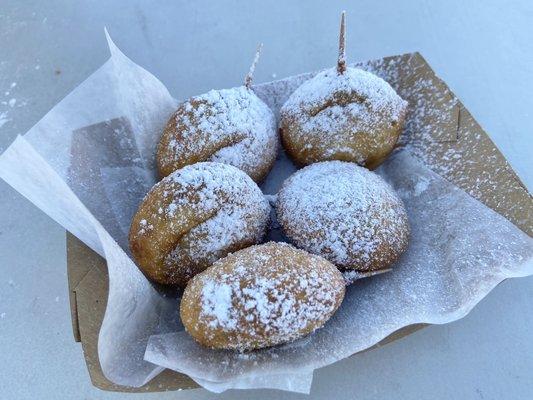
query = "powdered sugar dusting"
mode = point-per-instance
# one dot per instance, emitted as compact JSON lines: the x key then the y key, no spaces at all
{"x":228,"y":226}
{"x":332,"y":105}
{"x":209,"y":208}
{"x":374,"y":94}
{"x":230,"y":126}
{"x":217,"y":302}
{"x":234,"y":197}
{"x":345,"y":213}
{"x":270,"y":294}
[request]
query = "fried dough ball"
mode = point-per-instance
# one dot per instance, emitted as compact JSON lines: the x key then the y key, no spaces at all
{"x":193,"y":217}
{"x":261,"y":296}
{"x":349,"y":116}
{"x":345,"y":213}
{"x":231,"y":126}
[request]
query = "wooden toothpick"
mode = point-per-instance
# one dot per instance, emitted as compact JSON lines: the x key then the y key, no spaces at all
{"x":249,"y":76}
{"x":341,"y":63}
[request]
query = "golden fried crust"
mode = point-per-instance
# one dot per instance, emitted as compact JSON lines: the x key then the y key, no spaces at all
{"x":368,"y":149}
{"x":344,"y":213}
{"x":193,"y":217}
{"x":231,"y":126}
{"x":355,"y":117}
{"x":261,"y":296}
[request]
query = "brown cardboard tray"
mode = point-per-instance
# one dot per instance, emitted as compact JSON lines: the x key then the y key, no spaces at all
{"x":500,"y":189}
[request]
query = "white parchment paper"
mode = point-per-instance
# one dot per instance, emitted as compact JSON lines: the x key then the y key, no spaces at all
{"x":90,"y":160}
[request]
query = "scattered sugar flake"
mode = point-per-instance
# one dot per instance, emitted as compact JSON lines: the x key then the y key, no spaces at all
{"x":37,"y":67}
{"x":3,"y":315}
{"x":3,"y":118}
{"x":13,"y":84}
{"x":421,"y":185}
{"x":56,"y":299}
{"x":172,"y":207}
{"x":12,"y":102}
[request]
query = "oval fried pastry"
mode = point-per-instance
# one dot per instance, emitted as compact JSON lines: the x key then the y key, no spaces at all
{"x":261,"y":296}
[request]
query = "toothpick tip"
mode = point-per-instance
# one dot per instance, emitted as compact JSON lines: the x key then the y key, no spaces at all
{"x":249,"y":76}
{"x":341,"y":62}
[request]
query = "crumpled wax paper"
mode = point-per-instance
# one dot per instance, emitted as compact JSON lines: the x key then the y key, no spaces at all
{"x":89,"y":162}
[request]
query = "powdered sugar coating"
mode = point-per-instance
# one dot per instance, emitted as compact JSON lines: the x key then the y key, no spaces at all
{"x":261,"y":296}
{"x":195,"y":216}
{"x":345,"y":213}
{"x":355,"y":116}
{"x":231,"y":126}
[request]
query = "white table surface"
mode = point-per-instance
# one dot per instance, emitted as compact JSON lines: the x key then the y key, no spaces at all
{"x":483,"y":50}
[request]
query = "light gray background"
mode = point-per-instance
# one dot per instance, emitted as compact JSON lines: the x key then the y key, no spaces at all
{"x":483,"y":50}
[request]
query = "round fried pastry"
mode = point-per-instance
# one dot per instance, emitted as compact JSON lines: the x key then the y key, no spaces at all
{"x":231,"y":126}
{"x":345,"y":213}
{"x":351,"y":116}
{"x":193,"y":217}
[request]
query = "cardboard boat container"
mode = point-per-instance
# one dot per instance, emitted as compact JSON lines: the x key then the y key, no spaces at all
{"x":500,"y":189}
